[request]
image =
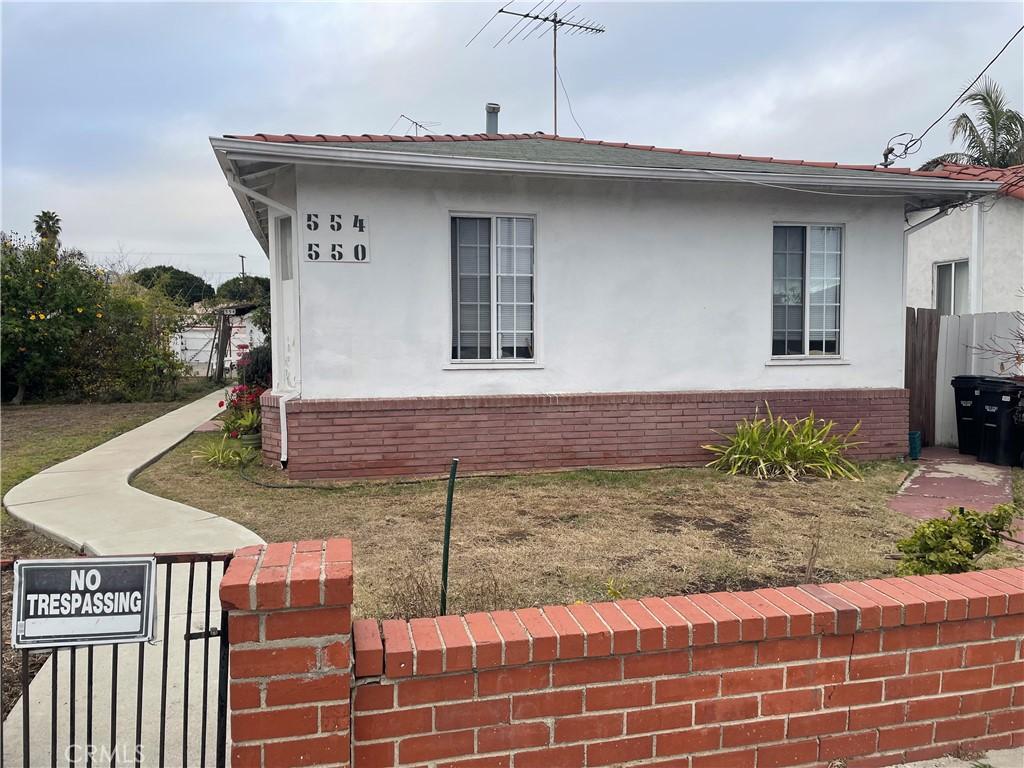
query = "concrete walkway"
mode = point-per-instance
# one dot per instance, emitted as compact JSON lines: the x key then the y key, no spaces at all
{"x":87,"y":503}
{"x":945,"y":478}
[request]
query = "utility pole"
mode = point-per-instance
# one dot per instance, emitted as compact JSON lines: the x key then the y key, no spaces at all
{"x":243,"y":264}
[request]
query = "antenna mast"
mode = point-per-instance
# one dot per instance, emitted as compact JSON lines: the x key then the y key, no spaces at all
{"x":538,"y":17}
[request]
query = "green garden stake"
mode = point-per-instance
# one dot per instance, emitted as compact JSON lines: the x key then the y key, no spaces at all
{"x":447,"y":537}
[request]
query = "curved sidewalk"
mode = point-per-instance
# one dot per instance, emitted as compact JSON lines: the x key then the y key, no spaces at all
{"x":87,"y":502}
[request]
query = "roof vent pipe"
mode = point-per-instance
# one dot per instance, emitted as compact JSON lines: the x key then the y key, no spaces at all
{"x":492,"y":117}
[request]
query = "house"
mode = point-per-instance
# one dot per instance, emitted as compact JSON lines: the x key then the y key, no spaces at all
{"x":530,"y":301}
{"x":972,"y":259}
{"x":195,"y":344}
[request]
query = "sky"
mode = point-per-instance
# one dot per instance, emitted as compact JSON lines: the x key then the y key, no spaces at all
{"x":107,"y":108}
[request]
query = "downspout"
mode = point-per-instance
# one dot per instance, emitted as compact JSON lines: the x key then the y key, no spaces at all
{"x":284,"y":398}
{"x":281,"y":401}
{"x":977,"y":260}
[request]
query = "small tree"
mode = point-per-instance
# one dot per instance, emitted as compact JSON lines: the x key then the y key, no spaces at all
{"x":49,"y":297}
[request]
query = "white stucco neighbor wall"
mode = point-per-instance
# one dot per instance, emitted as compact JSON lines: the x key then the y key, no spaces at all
{"x":950,"y":239}
{"x":640,"y":286}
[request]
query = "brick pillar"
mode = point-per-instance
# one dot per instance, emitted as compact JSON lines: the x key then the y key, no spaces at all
{"x":289,"y":631}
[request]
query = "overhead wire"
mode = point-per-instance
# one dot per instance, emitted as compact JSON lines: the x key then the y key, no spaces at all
{"x":913,"y":144}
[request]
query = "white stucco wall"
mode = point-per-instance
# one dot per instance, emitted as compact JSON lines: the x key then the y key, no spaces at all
{"x":640,"y":286}
{"x":950,"y":238}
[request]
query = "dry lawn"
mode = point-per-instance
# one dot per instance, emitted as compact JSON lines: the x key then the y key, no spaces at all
{"x":556,"y":538}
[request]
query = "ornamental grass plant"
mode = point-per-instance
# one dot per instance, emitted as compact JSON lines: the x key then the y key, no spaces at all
{"x":769,"y":447}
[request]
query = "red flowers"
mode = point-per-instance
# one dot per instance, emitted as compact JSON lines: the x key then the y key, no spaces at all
{"x":244,"y":397}
{"x":220,"y":404}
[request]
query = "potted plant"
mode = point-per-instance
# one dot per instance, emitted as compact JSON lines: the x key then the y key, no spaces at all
{"x":247,"y":427}
{"x":241,"y":418}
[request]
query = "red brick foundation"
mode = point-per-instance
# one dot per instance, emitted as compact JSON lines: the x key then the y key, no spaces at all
{"x":869,"y":673}
{"x":419,"y":436}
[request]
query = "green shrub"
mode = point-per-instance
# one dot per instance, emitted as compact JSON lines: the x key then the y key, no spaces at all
{"x":254,"y":367}
{"x":954,"y":544}
{"x":769,"y":447}
{"x":71,"y":330}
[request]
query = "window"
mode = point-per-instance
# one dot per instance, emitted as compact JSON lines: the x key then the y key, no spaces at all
{"x":284,"y":247}
{"x":493,"y":288}
{"x":806,"y":290}
{"x":951,"y":288}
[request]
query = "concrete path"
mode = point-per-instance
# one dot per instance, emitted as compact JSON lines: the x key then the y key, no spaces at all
{"x":945,"y":478}
{"x":87,"y":503}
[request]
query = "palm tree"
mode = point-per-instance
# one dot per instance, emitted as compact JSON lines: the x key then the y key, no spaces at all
{"x":995,"y":140}
{"x":47,"y":225}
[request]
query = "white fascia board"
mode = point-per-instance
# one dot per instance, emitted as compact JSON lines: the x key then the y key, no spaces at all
{"x":241,"y":149}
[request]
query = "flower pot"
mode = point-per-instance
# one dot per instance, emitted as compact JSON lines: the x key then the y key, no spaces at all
{"x":254,"y":440}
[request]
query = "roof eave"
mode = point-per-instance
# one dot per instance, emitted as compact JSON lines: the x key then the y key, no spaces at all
{"x":230,"y":172}
{"x":240,"y":149}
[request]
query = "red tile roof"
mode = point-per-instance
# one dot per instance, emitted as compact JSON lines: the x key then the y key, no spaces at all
{"x":1014,"y":176}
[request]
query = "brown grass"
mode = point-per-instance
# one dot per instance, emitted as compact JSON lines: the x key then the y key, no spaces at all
{"x":556,"y":538}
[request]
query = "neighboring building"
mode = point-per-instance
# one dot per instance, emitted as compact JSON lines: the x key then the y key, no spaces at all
{"x":528,"y":301}
{"x":195,"y":345}
{"x":972,"y":259}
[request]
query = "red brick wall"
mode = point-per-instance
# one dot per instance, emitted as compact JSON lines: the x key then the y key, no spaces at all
{"x":289,"y":634}
{"x":419,"y":436}
{"x":872,"y":673}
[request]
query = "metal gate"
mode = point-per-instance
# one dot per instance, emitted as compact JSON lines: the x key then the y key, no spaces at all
{"x":116,"y":705}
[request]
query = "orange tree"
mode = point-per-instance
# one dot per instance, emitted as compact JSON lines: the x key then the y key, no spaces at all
{"x":50,"y":297}
{"x":67,"y":329}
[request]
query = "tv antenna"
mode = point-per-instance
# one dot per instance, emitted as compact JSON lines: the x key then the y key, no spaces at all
{"x":543,"y":15}
{"x":416,"y":125}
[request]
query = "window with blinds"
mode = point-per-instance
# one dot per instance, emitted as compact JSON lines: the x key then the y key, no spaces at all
{"x":493,"y":288}
{"x":806,"y":290}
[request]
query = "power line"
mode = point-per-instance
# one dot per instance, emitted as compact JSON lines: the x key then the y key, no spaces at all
{"x":913,"y":145}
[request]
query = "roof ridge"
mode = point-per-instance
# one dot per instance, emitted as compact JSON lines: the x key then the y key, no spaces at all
{"x":296,"y":138}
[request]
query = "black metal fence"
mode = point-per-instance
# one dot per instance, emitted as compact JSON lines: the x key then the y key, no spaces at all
{"x":176,"y":703}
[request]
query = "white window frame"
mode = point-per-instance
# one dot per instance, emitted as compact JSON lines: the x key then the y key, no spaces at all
{"x":806,"y":358}
{"x":495,"y":363}
{"x":951,"y":263}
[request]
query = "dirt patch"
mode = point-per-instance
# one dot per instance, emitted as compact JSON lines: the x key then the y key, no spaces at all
{"x":561,"y":537}
{"x":666,"y":522}
{"x":732,"y":533}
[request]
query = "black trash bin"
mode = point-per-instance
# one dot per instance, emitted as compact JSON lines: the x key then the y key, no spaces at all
{"x":968,"y":412}
{"x":1001,"y":434}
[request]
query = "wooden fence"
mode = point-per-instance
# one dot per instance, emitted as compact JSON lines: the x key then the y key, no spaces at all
{"x":920,"y":368}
